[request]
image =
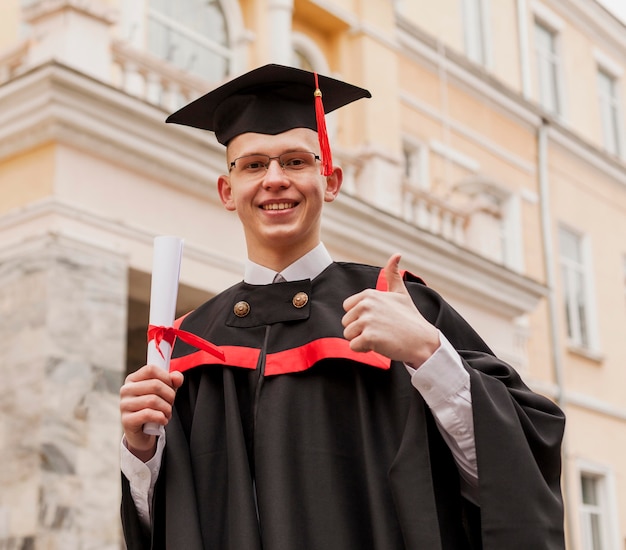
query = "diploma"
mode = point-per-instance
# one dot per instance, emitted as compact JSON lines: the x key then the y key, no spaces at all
{"x":163,"y":294}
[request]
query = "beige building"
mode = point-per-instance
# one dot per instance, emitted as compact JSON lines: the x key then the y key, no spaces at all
{"x":492,"y":155}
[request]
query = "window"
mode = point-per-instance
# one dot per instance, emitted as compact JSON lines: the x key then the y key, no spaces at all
{"x":301,"y":61}
{"x":591,"y":512}
{"x":597,"y":511}
{"x":575,"y":285}
{"x":609,"y":111}
{"x":548,"y":68}
{"x":415,"y":161}
{"x":415,"y":182}
{"x":191,"y":34}
{"x":307,"y":55}
{"x":474,"y":20}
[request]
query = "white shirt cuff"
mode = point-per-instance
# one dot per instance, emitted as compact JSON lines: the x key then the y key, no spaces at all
{"x":441,"y":376}
{"x":142,"y":476}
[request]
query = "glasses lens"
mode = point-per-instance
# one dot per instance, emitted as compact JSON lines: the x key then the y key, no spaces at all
{"x":252,"y":164}
{"x":296,"y":161}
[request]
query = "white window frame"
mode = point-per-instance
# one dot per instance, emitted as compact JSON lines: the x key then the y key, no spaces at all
{"x":477,"y":31}
{"x":307,"y":48}
{"x":548,"y":71}
{"x":417,"y":152}
{"x":568,"y":269}
{"x":611,"y":109}
{"x":304,"y":46}
{"x":133,"y":28}
{"x":606,"y":507}
{"x":195,"y":37}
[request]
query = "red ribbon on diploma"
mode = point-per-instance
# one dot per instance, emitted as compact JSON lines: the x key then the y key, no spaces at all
{"x":169,"y":334}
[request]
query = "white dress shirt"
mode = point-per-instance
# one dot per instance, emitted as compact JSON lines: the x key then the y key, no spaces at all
{"x":441,"y":380}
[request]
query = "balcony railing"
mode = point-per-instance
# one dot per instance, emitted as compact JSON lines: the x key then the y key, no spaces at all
{"x":136,"y":72}
{"x":144,"y":75}
{"x":434,"y":215}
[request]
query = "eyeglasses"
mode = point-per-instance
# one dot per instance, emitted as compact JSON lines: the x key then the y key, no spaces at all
{"x":293,"y":163}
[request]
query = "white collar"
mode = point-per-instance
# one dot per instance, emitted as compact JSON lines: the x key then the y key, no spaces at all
{"x":308,"y":266}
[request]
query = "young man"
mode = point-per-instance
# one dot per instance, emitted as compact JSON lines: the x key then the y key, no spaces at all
{"x":355,"y":409}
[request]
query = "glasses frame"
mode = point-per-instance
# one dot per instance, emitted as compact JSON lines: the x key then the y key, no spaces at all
{"x":233,"y":163}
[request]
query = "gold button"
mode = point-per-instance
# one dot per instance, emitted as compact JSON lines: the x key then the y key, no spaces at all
{"x":300,"y":300}
{"x":241,"y":309}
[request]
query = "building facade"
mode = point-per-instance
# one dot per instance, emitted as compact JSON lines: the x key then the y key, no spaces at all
{"x":492,"y":155}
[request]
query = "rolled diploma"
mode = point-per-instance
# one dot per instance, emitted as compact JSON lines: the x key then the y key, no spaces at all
{"x":163,"y":295}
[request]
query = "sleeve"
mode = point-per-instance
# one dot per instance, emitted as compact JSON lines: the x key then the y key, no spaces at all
{"x":142,"y":477}
{"x":518,"y":435}
{"x":445,"y":386}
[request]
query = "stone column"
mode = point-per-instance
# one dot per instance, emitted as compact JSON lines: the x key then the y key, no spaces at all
{"x":63,"y":308}
{"x":280,"y":14}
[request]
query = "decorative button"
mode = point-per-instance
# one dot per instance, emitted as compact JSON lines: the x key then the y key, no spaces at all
{"x":300,"y":300}
{"x":241,"y":309}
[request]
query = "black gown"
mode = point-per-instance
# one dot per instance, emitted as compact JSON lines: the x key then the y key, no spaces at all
{"x":297,"y":443}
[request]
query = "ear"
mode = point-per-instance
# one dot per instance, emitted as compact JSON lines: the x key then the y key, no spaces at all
{"x":333,"y":184}
{"x":226,"y":192}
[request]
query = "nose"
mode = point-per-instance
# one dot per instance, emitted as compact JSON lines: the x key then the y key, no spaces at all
{"x":275,"y":175}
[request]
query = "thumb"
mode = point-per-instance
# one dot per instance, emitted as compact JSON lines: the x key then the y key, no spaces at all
{"x":177,"y":379}
{"x":392,"y":275}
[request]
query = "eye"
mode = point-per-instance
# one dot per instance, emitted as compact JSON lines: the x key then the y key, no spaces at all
{"x":253,"y":164}
{"x":297,"y":161}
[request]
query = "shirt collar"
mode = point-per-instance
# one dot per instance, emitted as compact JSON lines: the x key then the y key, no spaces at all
{"x":308,"y":266}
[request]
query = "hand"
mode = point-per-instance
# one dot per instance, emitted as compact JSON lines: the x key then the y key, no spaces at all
{"x":389,"y":322}
{"x":147,"y":396}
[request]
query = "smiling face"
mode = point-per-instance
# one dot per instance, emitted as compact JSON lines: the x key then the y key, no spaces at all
{"x":280,"y":210}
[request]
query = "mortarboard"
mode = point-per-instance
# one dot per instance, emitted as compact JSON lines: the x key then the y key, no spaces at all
{"x":270,"y":100}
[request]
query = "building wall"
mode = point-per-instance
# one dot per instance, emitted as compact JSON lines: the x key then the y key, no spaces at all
{"x":89,"y":174}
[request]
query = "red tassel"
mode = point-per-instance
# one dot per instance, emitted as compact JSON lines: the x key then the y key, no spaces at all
{"x":322,"y":133}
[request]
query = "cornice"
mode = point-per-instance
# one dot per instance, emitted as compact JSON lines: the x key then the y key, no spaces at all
{"x":53,"y":102}
{"x":570,"y":142}
{"x":600,"y":25}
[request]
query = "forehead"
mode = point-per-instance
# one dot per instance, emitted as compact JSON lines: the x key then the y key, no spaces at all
{"x":302,"y":139}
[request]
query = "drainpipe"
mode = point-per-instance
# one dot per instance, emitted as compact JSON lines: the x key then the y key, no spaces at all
{"x":549,"y":263}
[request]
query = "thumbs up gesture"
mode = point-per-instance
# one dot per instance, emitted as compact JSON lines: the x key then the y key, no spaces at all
{"x":389,"y":322}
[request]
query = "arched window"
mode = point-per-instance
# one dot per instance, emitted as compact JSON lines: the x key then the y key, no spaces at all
{"x":307,"y":54}
{"x":191,"y":34}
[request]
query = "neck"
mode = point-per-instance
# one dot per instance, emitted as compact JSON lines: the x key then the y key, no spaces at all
{"x":278,"y":259}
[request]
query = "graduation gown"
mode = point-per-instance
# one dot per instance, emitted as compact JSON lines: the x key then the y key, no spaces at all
{"x":296,"y":442}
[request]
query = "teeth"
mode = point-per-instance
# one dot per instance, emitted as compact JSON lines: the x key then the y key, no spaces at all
{"x":278,"y":206}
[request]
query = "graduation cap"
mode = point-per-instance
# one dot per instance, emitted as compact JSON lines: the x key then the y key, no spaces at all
{"x":270,"y":100}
